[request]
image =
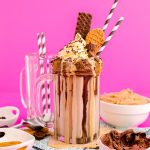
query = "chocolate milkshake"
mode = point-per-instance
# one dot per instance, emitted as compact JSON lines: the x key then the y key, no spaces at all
{"x":76,"y":99}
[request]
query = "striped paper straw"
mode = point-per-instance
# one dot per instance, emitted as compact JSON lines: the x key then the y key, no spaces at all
{"x":110,"y":15}
{"x":43,"y":85}
{"x":43,"y":45}
{"x":48,"y":88}
{"x":39,"y":44}
{"x":111,"y":35}
{"x":42,"y":52}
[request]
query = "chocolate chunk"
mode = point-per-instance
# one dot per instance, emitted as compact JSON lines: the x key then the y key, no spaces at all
{"x":90,"y":48}
{"x":39,"y":135}
{"x":2,"y":134}
{"x":115,"y":135}
{"x":2,"y":117}
{"x":127,"y":140}
{"x":36,"y":127}
{"x":128,"y":137}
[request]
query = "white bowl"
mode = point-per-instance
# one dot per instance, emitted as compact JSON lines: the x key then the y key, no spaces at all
{"x":124,"y":115}
{"x":12,"y":134}
{"x":103,"y":147}
{"x":11,"y":113}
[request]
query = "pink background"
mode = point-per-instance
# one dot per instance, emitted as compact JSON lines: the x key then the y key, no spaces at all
{"x":126,"y":58}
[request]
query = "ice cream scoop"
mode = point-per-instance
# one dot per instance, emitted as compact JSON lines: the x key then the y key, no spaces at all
{"x":74,"y":58}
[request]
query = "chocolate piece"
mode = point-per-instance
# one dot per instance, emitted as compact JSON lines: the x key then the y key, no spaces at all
{"x":5,"y":126}
{"x":134,"y":147}
{"x":45,"y":130}
{"x":83,"y":24}
{"x":36,"y":127}
{"x":2,"y":134}
{"x":127,"y":140}
{"x":39,"y":135}
{"x":2,"y":117}
{"x":38,"y":132}
{"x":128,"y":137}
{"x":90,"y":48}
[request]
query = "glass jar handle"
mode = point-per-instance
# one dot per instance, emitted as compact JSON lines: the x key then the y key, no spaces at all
{"x":38,"y":84}
{"x":23,"y":101}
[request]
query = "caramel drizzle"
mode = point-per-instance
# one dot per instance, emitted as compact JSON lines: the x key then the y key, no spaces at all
{"x":59,"y":91}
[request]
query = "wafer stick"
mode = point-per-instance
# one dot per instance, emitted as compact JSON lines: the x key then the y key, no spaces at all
{"x":83,"y":24}
{"x":111,"y":35}
{"x":110,"y":15}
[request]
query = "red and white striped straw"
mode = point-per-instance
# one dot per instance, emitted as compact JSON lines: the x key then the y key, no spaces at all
{"x":39,"y":44}
{"x":48,"y":88}
{"x":43,"y":45}
{"x":110,"y":15}
{"x":43,"y":86}
{"x":42,"y":53}
{"x":111,"y":34}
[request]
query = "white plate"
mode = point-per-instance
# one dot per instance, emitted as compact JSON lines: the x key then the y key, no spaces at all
{"x":11,"y":113}
{"x":12,"y":134}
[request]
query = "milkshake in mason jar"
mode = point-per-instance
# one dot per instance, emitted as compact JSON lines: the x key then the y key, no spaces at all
{"x":76,"y":99}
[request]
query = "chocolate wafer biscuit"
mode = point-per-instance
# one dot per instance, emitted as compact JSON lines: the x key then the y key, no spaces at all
{"x":83,"y":24}
{"x":95,"y":37}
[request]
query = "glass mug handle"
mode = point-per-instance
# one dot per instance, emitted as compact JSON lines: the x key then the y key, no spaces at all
{"x":48,"y":117}
{"x":23,"y":101}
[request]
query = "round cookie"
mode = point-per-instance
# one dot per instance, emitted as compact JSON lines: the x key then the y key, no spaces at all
{"x":95,"y":37}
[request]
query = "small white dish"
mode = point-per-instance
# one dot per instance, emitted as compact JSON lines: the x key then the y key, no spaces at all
{"x":12,"y":134}
{"x":124,"y":115}
{"x":11,"y":115}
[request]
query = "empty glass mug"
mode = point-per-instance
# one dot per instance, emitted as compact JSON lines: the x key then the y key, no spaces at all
{"x":34,"y":68}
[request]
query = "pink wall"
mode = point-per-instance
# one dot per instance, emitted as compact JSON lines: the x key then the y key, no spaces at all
{"x":126,"y":58}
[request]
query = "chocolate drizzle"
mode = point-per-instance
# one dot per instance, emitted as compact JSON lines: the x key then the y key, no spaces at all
{"x":66,"y":91}
{"x":95,"y":90}
{"x":59,"y":91}
{"x":62,"y":85}
{"x":85,"y":101}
